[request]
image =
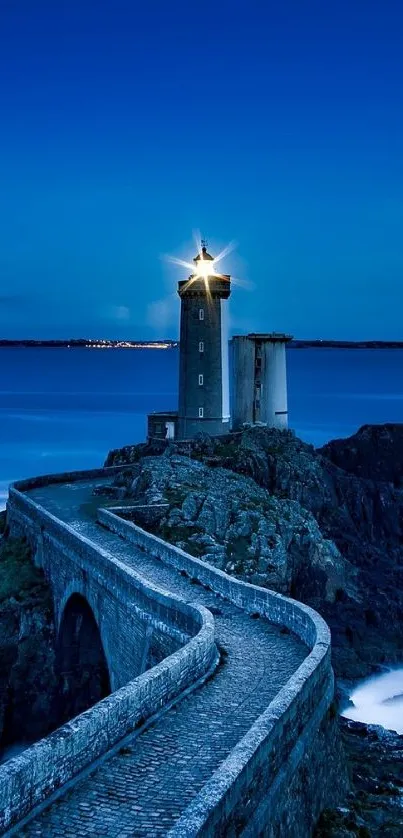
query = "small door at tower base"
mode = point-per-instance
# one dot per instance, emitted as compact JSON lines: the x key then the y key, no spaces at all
{"x":162,"y":425}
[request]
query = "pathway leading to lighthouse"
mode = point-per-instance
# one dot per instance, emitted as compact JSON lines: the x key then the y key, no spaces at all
{"x":144,"y":790}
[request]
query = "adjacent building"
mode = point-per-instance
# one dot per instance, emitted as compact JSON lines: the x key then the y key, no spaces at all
{"x":259,"y":380}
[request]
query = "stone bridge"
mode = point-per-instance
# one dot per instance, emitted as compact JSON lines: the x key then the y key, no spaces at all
{"x":211,"y":695}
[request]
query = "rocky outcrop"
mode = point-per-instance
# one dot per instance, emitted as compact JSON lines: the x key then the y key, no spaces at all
{"x":268,"y":507}
{"x":231,"y":522}
{"x":324,"y":526}
{"x":375,"y":453}
{"x":27,"y":652}
{"x":374,"y":806}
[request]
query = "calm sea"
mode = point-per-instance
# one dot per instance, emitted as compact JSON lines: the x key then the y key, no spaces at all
{"x":65,"y":408}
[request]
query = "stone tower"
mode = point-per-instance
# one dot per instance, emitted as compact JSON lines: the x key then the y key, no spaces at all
{"x":203,"y":362}
{"x":259,"y":380}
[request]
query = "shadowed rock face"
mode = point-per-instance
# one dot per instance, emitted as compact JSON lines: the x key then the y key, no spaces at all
{"x":375,"y":453}
{"x":373,"y":808}
{"x":28,"y":682}
{"x":271,"y":509}
{"x":42,"y":682}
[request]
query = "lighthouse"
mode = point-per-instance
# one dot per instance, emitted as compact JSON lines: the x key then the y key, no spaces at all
{"x":259,"y":371}
{"x":203,"y":363}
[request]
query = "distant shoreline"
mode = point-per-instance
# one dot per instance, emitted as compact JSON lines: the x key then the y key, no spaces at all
{"x":81,"y":343}
{"x":345,"y":344}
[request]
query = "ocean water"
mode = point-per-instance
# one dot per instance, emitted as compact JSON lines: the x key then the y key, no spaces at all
{"x":65,"y":408}
{"x":379,"y":701}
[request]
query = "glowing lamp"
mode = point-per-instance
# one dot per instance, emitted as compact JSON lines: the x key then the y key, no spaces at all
{"x":204,"y":264}
{"x":205,"y":268}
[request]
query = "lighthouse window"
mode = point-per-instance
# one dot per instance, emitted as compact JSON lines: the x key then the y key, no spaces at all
{"x":201,"y":412}
{"x":201,"y":346}
{"x":201,"y":313}
{"x":201,"y":379}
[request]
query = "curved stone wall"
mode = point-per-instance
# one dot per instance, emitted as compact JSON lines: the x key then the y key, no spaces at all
{"x":281,"y":610}
{"x":66,"y":477}
{"x":249,"y":793}
{"x":28,"y":779}
{"x":246,"y":793}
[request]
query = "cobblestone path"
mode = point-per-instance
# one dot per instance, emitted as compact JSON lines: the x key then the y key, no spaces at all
{"x":142,"y":792}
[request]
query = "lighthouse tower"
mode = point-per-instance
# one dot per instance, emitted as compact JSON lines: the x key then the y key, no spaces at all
{"x":203,"y":363}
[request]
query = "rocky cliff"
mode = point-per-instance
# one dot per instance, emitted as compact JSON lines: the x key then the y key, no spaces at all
{"x":323,"y":526}
{"x":374,"y":453}
{"x":27,"y":657}
{"x":373,"y":808}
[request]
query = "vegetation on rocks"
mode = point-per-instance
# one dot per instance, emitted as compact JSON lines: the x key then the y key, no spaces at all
{"x":271,"y":509}
{"x":19,"y":578}
{"x":27,"y":650}
{"x":230,"y":521}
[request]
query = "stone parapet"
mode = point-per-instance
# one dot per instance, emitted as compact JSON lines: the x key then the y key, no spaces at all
{"x":67,"y":477}
{"x":281,"y":610}
{"x":267,"y":784}
{"x":27,"y":780}
{"x":246,"y":794}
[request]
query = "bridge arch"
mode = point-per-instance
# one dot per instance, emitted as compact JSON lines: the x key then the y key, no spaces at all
{"x":80,"y":658}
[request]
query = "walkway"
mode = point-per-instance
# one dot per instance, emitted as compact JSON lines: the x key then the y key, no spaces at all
{"x":143,"y":790}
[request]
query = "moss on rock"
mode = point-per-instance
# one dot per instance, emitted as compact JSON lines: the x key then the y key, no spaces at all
{"x":19,"y":578}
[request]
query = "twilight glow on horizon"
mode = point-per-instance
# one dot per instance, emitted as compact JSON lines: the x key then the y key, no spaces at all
{"x":126,"y":126}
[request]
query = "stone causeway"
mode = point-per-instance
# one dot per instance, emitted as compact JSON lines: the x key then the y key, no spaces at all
{"x":219,"y":689}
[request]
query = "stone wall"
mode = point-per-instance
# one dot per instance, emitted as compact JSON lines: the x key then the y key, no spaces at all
{"x":66,"y":477}
{"x":27,"y":780}
{"x":299,"y":618}
{"x":266,"y":786}
{"x":123,"y":611}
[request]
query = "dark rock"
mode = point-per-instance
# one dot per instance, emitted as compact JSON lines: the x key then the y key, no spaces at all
{"x":375,"y":452}
{"x":374,"y":806}
{"x":109,"y":491}
{"x":35,"y":694}
{"x":28,"y":682}
{"x":3,"y":521}
{"x":326,"y":529}
{"x":238,"y":526}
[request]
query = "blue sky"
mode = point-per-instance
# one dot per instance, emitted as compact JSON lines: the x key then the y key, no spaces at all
{"x":127,"y":125}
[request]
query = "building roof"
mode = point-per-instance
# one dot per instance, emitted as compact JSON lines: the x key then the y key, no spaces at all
{"x":204,"y":255}
{"x":272,"y":337}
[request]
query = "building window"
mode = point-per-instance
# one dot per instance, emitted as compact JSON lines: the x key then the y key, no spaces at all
{"x":201,"y":313}
{"x":201,"y":412}
{"x":201,"y":346}
{"x":201,"y":379}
